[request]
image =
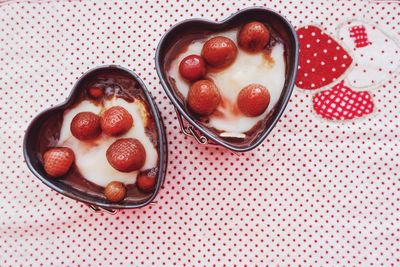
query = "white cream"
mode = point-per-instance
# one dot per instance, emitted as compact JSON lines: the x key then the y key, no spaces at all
{"x":248,"y":68}
{"x":90,"y":156}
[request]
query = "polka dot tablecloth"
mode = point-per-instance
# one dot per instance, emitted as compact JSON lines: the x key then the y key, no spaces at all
{"x":315,"y":193}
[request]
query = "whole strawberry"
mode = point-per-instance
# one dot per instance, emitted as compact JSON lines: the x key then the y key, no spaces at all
{"x":116,"y":121}
{"x":57,"y":161}
{"x":254,"y":36}
{"x":219,"y":51}
{"x":192,"y":67}
{"x":253,"y":100}
{"x":126,"y":155}
{"x":85,"y":126}
{"x":95,"y":92}
{"x":146,"y":183}
{"x":203,"y":97}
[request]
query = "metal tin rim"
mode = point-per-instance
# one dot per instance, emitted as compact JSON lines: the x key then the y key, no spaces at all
{"x":204,"y":131}
{"x":161,"y":140}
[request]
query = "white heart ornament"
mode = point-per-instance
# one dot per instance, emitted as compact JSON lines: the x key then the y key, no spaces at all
{"x":376,"y":54}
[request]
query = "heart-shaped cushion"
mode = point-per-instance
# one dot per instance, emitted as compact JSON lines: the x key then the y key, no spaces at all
{"x":322,"y":60}
{"x":342,"y":103}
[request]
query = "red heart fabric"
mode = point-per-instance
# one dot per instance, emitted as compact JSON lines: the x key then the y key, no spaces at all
{"x":342,"y":103}
{"x":359,"y":35}
{"x":321,"y":59}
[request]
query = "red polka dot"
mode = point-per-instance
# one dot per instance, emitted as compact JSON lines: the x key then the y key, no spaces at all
{"x":315,"y":193}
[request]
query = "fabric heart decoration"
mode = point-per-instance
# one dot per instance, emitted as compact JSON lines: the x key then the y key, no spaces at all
{"x":376,"y":55}
{"x":342,"y":103}
{"x":322,"y":60}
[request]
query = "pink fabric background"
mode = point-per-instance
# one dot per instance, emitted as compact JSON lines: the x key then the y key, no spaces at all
{"x":315,"y":193}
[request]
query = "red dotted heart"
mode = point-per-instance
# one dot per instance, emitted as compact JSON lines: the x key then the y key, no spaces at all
{"x":342,"y":103}
{"x":321,"y":59}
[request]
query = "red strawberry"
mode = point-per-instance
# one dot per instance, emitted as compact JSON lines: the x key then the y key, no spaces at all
{"x":253,"y":100}
{"x":126,"y":155}
{"x":219,"y":51}
{"x":321,"y":59}
{"x":85,"y":126}
{"x":203,"y":97}
{"x":95,"y":92}
{"x":342,"y":103}
{"x":253,"y":36}
{"x":57,"y":161}
{"x":192,"y":67}
{"x":116,"y":121}
{"x":146,"y":183}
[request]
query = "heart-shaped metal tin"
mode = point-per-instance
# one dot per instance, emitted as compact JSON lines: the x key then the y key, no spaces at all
{"x":33,"y":158}
{"x":193,"y":26}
